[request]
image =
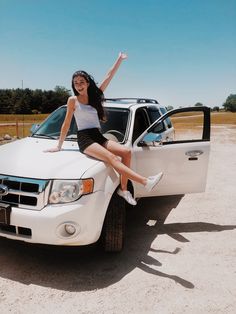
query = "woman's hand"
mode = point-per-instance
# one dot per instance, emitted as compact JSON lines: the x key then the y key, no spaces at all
{"x":52,"y":150}
{"x":123,"y":56}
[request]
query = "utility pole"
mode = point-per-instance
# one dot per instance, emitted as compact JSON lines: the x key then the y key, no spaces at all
{"x":22,"y":86}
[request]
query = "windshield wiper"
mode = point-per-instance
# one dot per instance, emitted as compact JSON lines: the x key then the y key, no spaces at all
{"x":71,"y":137}
{"x":44,"y":136}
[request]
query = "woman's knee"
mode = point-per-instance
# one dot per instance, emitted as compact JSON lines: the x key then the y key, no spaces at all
{"x":112,"y":158}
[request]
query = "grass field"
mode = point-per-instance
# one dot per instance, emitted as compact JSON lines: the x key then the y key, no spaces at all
{"x":195,"y":119}
{"x":4,"y":118}
{"x":24,"y":123}
{"x":182,"y":121}
{"x":216,"y":117}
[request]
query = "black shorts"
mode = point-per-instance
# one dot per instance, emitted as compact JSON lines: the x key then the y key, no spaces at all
{"x":89,"y":136}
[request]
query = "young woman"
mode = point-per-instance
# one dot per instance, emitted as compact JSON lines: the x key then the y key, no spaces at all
{"x":86,"y":106}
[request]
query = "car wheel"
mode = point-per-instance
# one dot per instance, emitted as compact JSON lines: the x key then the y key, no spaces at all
{"x":114,"y":225}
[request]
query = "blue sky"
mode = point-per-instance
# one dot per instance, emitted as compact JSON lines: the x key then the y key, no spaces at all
{"x":180,"y":51}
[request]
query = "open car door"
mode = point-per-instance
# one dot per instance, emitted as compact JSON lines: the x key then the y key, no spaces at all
{"x":182,"y":157}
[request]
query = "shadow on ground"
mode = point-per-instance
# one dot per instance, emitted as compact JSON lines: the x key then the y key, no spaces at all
{"x":89,"y":268}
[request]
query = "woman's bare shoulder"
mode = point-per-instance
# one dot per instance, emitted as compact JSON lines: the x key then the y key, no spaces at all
{"x":71,"y":102}
{"x":72,"y":98}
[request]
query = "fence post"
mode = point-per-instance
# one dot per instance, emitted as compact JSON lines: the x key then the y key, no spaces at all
{"x":17,"y":128}
{"x":23,"y":125}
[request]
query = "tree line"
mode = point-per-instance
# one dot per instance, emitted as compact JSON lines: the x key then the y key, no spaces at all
{"x":228,"y":105}
{"x":28,"y":101}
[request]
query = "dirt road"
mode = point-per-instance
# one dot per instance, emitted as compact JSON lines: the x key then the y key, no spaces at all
{"x":179,"y":257}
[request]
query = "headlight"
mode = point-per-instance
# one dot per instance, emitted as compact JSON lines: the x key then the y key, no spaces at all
{"x":65,"y":191}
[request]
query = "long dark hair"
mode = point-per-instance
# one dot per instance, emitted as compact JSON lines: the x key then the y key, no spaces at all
{"x":95,"y":95}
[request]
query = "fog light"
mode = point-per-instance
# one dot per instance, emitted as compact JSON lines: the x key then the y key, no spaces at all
{"x":70,"y":229}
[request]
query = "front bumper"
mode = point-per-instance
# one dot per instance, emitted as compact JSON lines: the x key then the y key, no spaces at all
{"x":47,"y":226}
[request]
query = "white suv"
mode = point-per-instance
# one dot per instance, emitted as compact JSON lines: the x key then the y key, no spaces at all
{"x":68,"y":198}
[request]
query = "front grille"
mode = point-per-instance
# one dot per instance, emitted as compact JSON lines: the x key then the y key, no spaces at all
{"x":25,"y":192}
{"x":21,"y":231}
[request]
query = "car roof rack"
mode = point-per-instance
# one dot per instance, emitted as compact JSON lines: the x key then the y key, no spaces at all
{"x":136,"y":100}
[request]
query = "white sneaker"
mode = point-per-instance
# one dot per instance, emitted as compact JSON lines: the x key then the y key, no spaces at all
{"x":127,"y":196}
{"x":152,"y":181}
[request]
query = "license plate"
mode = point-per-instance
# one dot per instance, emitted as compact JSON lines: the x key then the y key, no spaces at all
{"x":5,"y":212}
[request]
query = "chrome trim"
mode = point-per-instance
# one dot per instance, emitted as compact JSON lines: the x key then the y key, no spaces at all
{"x":194,"y":153}
{"x":3,"y":190}
{"x":40,"y":191}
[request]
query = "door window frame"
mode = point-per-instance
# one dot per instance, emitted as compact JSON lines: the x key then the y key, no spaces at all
{"x":206,"y":125}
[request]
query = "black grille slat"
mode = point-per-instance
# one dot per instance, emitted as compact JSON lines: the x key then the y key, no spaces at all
{"x":8,"y":228}
{"x":11,"y":198}
{"x":21,"y":231}
{"x":24,"y":231}
{"x":29,"y":187}
{"x":14,"y":185}
{"x":28,"y":200}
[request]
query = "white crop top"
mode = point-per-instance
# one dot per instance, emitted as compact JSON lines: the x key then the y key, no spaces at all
{"x":86,"y":116}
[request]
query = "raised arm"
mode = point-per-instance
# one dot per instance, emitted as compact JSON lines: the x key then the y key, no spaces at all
{"x":112,"y":71}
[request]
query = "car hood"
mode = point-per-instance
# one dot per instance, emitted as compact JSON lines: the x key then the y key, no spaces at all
{"x":27,"y":158}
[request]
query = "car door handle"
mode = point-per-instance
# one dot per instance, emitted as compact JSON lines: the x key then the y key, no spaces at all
{"x":193,"y":154}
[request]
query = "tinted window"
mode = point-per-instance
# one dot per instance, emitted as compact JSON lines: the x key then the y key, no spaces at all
{"x":141,"y":123}
{"x":52,"y":125}
{"x":116,"y":120}
{"x":168,"y":121}
{"x":153,"y":113}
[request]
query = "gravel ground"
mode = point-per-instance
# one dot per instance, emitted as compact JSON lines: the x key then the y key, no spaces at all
{"x":179,"y":256}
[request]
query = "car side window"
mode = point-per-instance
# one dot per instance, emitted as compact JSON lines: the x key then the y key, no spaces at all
{"x":141,"y":123}
{"x":154,"y":114}
{"x":168,"y":121}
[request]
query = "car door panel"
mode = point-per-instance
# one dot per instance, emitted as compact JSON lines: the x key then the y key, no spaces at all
{"x":184,"y":163}
{"x":182,"y":173}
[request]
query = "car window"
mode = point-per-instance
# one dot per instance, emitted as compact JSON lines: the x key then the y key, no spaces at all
{"x":116,"y":122}
{"x":141,"y":123}
{"x":52,"y":125}
{"x":187,"y":126}
{"x":154,"y":114}
{"x":168,"y":121}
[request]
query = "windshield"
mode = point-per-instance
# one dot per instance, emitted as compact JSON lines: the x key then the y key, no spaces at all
{"x":115,"y":124}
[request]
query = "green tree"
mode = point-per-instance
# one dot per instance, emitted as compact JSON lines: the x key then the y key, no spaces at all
{"x":216,"y":108}
{"x":36,"y":105}
{"x":25,"y":101}
{"x":230,"y":103}
{"x":5,"y":101}
{"x":168,"y":108}
{"x":198,"y":104}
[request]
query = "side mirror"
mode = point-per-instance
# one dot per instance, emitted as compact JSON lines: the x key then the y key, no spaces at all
{"x":151,"y":139}
{"x":34,"y":128}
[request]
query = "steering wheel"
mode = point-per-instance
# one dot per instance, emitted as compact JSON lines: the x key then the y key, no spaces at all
{"x":115,"y":133}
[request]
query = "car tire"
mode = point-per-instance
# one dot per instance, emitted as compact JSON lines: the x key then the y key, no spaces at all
{"x":114,"y":225}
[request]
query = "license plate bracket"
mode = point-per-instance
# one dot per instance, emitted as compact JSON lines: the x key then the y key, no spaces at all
{"x":5,"y":213}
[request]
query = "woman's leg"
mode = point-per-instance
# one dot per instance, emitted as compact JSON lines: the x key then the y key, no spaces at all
{"x":98,"y":151}
{"x":125,"y":153}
